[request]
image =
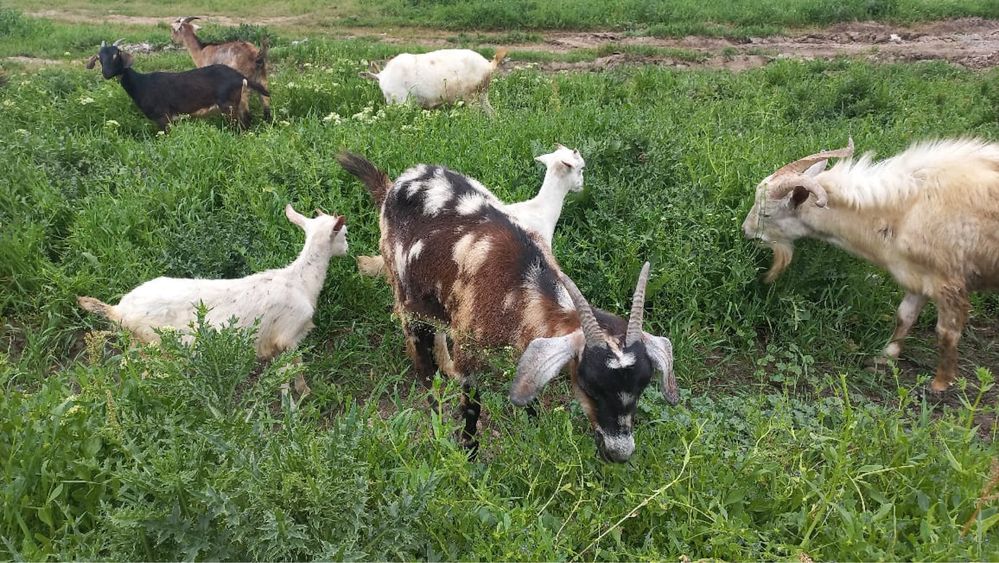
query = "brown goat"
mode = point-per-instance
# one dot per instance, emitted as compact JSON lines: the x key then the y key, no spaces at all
{"x":458,"y":262}
{"x":240,"y":55}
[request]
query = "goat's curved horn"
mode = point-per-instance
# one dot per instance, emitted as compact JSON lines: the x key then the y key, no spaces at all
{"x":117,"y":43}
{"x":781,"y":190}
{"x":591,"y":328}
{"x":634,"y":333}
{"x":800,"y":165}
{"x":189,"y":19}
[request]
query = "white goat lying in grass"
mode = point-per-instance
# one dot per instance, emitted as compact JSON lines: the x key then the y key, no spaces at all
{"x":539,"y":214}
{"x":283,"y":299}
{"x":438,"y":77}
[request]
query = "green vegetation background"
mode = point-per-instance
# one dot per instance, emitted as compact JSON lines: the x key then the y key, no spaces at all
{"x":782,"y":444}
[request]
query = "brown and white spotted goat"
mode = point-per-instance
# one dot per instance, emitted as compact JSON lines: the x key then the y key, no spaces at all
{"x":457,"y":261}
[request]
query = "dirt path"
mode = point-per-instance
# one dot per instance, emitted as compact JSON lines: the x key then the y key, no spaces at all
{"x":968,"y":42}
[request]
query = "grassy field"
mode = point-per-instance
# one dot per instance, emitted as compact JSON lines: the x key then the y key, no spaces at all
{"x":783,"y":445}
{"x":661,"y":17}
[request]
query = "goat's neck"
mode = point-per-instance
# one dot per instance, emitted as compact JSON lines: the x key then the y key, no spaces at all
{"x":311,"y":265}
{"x":868,"y":233}
{"x":547,"y":205}
{"x":193,"y":44}
{"x":130,"y":82}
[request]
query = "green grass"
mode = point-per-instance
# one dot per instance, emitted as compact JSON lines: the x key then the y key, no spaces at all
{"x":661,"y":17}
{"x":782,"y":443}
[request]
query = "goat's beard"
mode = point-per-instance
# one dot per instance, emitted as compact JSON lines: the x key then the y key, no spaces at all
{"x":783,"y":252}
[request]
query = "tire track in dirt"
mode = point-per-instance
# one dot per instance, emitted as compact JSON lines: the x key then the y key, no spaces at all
{"x":968,"y":42}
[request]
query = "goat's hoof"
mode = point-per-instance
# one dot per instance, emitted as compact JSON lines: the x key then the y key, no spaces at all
{"x":879,"y":364}
{"x":471,"y":449}
{"x":940,"y":387}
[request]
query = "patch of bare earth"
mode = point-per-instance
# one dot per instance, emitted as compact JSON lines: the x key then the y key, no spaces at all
{"x":968,"y":42}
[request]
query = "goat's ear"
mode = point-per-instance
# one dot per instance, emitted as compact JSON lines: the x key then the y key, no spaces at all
{"x":660,"y":352}
{"x":541,"y":362}
{"x":799,"y":196}
{"x":126,"y":59}
{"x":368,"y":75}
{"x":817,"y":168}
{"x":294,"y":216}
{"x":340,"y":222}
{"x":91,"y":61}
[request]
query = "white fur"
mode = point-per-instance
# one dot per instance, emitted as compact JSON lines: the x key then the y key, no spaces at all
{"x":564,"y":174}
{"x":435,"y":78}
{"x":283,"y":299}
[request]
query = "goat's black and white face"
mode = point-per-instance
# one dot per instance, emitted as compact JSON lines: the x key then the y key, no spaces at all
{"x":611,"y":370}
{"x":608,"y":383}
{"x":113,"y":60}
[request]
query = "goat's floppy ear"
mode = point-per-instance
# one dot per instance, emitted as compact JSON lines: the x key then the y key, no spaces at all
{"x":91,"y":61}
{"x":541,"y":362}
{"x":294,"y":216}
{"x":799,"y":196}
{"x":126,"y":59}
{"x":816,"y":169}
{"x":660,"y":352}
{"x":340,"y":222}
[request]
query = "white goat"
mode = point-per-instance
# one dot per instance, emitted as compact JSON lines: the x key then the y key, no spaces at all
{"x":540,"y":214}
{"x":283,"y":300}
{"x":930,"y":216}
{"x":438,"y":77}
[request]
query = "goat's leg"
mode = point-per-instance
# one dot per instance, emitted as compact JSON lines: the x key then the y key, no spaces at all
{"x":484,"y":102}
{"x":420,"y":347}
{"x":461,"y":368}
{"x":908,"y":311}
{"x":265,"y":101}
{"x":952,"y":313}
{"x":243,"y":107}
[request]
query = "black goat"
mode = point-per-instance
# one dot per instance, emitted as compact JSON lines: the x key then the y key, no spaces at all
{"x":163,"y":95}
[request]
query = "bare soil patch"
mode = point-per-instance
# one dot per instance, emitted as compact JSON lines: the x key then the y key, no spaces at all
{"x":968,"y":42}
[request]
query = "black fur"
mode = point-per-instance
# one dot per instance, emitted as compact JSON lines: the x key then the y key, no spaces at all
{"x":163,"y":95}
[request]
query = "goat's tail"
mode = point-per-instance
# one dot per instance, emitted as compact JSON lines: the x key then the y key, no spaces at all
{"x":256,"y":86}
{"x":377,"y":181}
{"x":371,"y":266}
{"x":262,"y":57}
{"x":101,"y":308}
{"x":499,"y":56}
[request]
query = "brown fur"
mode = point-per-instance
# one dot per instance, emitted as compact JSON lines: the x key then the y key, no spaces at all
{"x":242,"y":56}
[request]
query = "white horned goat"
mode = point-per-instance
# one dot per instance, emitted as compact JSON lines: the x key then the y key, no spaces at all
{"x":929,"y":216}
{"x":283,"y":300}
{"x":455,"y":259}
{"x":540,"y":214}
{"x":438,"y":77}
{"x":240,"y":55}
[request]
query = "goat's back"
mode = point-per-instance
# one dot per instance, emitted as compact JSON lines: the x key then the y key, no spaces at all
{"x":454,"y":256}
{"x":191,"y":90}
{"x":239,"y":55}
{"x":436,"y":77}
